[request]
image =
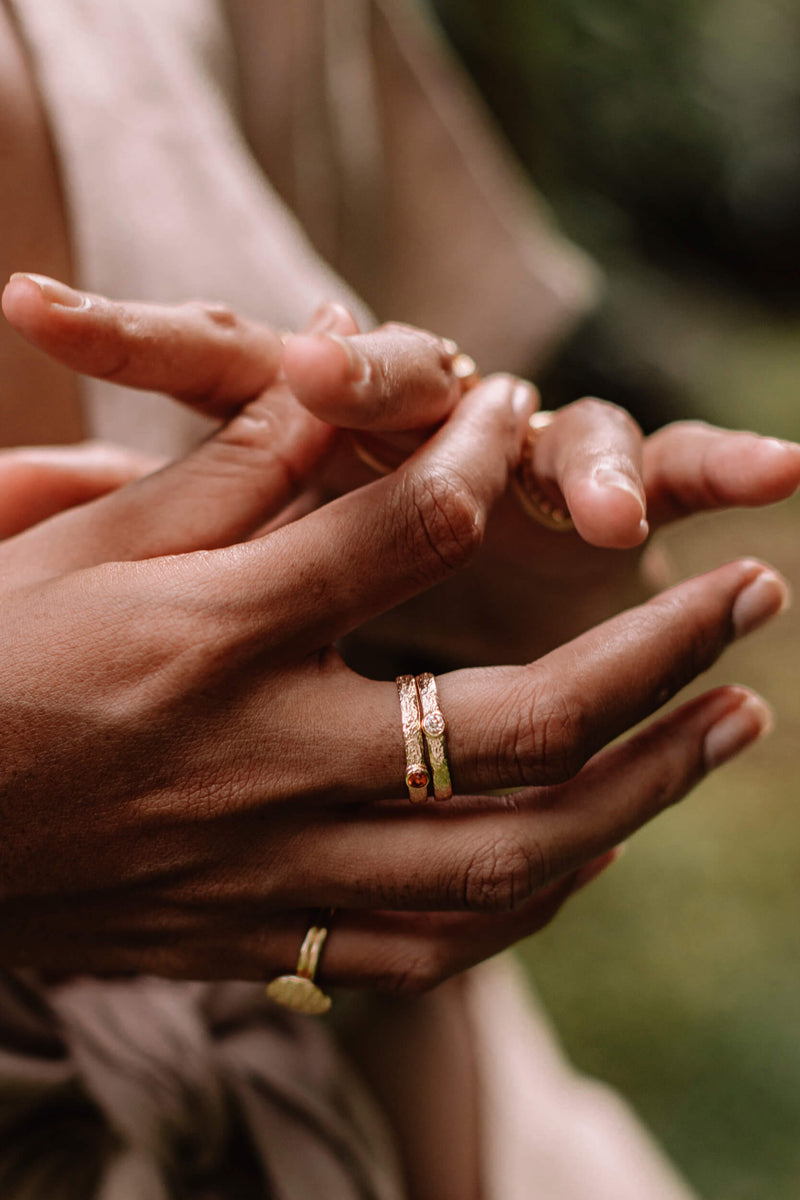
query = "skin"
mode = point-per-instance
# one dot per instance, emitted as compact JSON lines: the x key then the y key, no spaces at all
{"x":172,"y":829}
{"x":529,"y":589}
{"x":169,"y":657}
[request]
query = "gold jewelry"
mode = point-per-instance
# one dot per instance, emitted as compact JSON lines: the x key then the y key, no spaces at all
{"x":527,"y":486}
{"x":299,"y":992}
{"x":434,"y":727}
{"x":465,"y":370}
{"x":375,"y":463}
{"x":417,"y":775}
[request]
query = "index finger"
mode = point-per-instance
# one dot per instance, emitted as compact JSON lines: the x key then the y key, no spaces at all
{"x":201,"y":353}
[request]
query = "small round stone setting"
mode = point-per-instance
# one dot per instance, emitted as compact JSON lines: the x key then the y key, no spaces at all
{"x":434,"y":724}
{"x":417,"y":776}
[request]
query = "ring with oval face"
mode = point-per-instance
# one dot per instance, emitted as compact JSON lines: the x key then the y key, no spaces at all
{"x":299,"y":992}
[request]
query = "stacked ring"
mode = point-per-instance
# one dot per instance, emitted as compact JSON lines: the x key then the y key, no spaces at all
{"x":528,"y":486}
{"x":434,"y":727}
{"x":424,"y":729}
{"x":299,"y":992}
{"x":417,"y":776}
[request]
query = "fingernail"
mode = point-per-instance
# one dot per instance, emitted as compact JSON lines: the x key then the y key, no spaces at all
{"x":736,"y":730}
{"x":758,"y":601}
{"x":609,"y":478}
{"x":56,"y":292}
{"x":327,"y":317}
{"x":524,"y":399}
{"x":360,"y":368}
{"x":779,"y":444}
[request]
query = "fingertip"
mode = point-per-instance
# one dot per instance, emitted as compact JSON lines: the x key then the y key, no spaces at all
{"x":749,"y":721}
{"x":779,"y":461}
{"x":21,"y":299}
{"x":38,"y":307}
{"x":608,"y":511}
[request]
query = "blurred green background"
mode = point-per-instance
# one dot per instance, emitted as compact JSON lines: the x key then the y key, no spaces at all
{"x":666,"y":135}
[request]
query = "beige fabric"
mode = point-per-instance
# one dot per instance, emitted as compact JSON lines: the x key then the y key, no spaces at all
{"x":549,"y":1133}
{"x":166,"y":113}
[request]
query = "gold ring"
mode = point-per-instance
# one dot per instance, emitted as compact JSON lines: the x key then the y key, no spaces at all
{"x":417,"y":776}
{"x":528,"y":487}
{"x":369,"y":458}
{"x":299,"y":992}
{"x":434,"y":728}
{"x":465,"y":369}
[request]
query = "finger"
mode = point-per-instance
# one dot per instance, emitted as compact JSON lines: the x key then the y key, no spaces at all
{"x":369,"y":550}
{"x":394,"y":379}
{"x":591,"y":455}
{"x":692,"y":467}
{"x":510,"y":864}
{"x":401,"y":952}
{"x":38,"y":481}
{"x":200,"y":353}
{"x":539,"y":724}
{"x":496,"y":853}
{"x":512,"y":869}
{"x":220,"y":493}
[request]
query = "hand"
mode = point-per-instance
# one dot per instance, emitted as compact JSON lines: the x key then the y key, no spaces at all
{"x":531,"y":588}
{"x":188,"y":766}
{"x":528,"y":589}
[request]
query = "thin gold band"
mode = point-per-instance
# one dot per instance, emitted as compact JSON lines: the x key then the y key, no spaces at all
{"x":417,"y":775}
{"x":434,"y":728}
{"x":299,"y":992}
{"x":528,"y":487}
{"x":310,"y":951}
{"x":368,"y":457}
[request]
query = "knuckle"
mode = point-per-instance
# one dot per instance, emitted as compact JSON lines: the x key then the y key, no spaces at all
{"x":502,"y":875}
{"x":608,"y":413}
{"x":550,"y":740}
{"x":214,"y":314}
{"x":443,"y":523}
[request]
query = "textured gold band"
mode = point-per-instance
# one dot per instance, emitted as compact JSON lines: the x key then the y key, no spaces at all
{"x":434,"y":728}
{"x":528,"y":487}
{"x":417,"y":775}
